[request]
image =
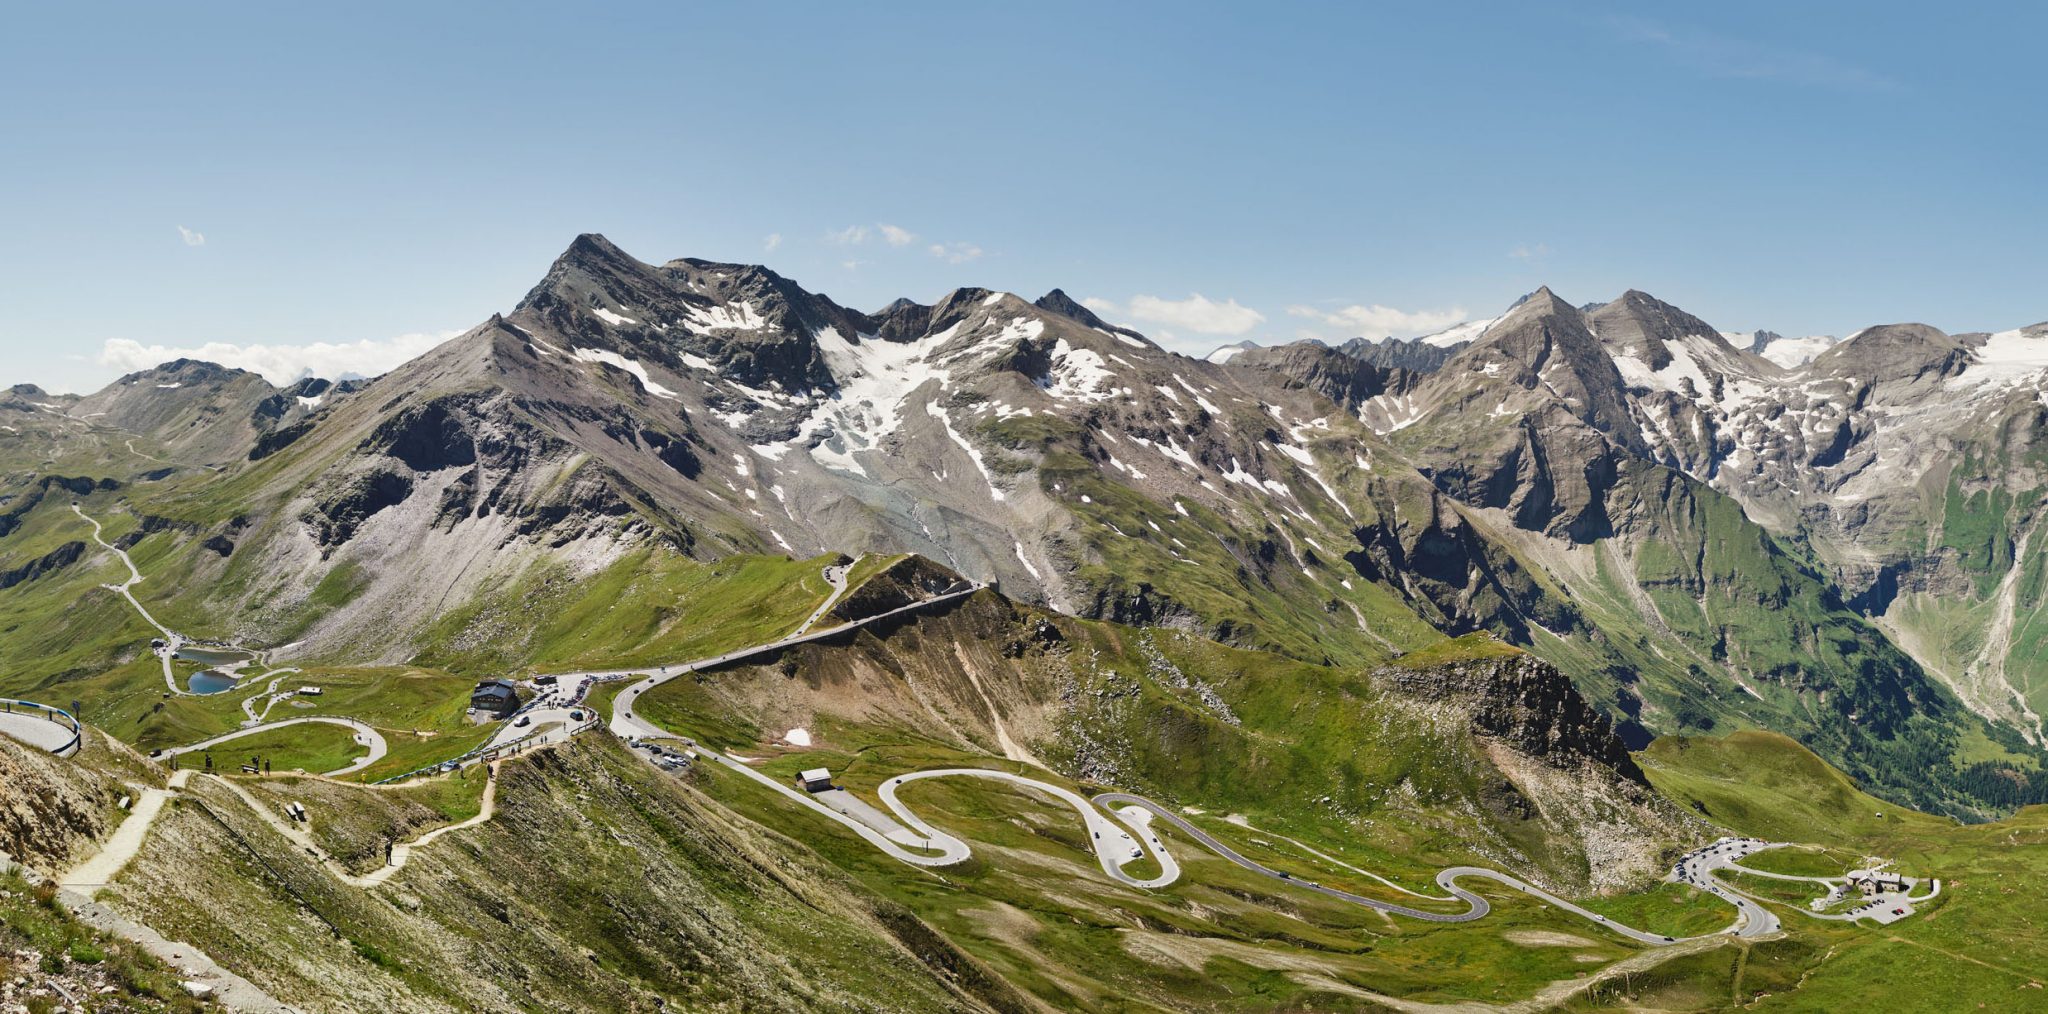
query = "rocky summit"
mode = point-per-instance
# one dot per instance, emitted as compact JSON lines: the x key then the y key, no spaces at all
{"x":983,"y":654}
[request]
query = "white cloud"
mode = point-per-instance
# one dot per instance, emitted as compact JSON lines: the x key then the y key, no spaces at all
{"x":1526,"y":252}
{"x":897,"y":235}
{"x":1378,"y":321}
{"x":774,"y":240}
{"x":1197,"y":313}
{"x":191,"y":238}
{"x":851,"y":265}
{"x":852,"y":235}
{"x":282,"y":364}
{"x":1727,"y":56}
{"x":955,"y":253}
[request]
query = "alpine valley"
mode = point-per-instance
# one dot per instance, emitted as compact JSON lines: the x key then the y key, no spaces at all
{"x":1400,"y":675}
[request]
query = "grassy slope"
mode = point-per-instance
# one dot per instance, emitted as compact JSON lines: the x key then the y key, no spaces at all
{"x":1299,"y":602}
{"x":1033,"y":906}
{"x":71,"y":640}
{"x":650,"y":606}
{"x":315,"y":748}
{"x":39,"y":939}
{"x":357,"y":824}
{"x":651,"y":890}
{"x":1980,"y":944}
{"x":1311,"y":753}
{"x":1698,"y":599}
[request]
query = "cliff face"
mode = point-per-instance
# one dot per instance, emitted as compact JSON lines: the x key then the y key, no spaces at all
{"x":1346,"y":379}
{"x":1526,"y":703}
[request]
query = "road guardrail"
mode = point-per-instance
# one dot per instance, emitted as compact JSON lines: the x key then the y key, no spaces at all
{"x":57,"y":715}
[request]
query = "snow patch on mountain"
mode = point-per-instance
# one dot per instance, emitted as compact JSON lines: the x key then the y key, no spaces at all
{"x":1793,"y":353}
{"x":1224,"y":354}
{"x":1685,"y":375}
{"x":1460,"y":334}
{"x":937,"y":411}
{"x":735,"y":317}
{"x":2006,"y":359}
{"x":1080,"y":374}
{"x":873,"y":378}
{"x":632,"y":366}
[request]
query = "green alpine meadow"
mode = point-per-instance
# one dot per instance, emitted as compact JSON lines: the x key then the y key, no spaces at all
{"x":1009,"y":509}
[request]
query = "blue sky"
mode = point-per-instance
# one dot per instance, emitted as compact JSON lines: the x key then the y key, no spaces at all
{"x":178,"y":175}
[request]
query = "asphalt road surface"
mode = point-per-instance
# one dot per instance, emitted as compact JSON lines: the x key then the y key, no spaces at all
{"x":37,"y":731}
{"x":1696,"y":869}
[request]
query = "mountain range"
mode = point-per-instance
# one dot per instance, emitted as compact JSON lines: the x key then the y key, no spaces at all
{"x":1701,"y":537}
{"x":1561,"y":593}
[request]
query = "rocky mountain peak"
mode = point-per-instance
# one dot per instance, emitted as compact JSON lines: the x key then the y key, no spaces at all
{"x":1413,"y":354}
{"x":1057,"y":301}
{"x":744,"y":319}
{"x":592,"y":248}
{"x":1641,"y":325}
{"x":1546,"y":334}
{"x":190,"y":370}
{"x":1530,"y":704}
{"x":1895,"y":353}
{"x":902,"y":320}
{"x":1541,"y":301}
{"x":1347,"y":379}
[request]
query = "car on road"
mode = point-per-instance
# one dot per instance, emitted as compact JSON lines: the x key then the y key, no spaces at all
{"x":523,"y":722}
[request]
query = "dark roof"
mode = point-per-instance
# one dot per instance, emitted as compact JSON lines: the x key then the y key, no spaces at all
{"x":495,"y":688}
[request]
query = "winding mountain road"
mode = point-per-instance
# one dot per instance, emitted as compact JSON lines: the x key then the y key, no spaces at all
{"x":1726,"y":859}
{"x":1114,"y":847}
{"x":1697,"y":869}
{"x":174,"y":639}
{"x":269,"y":695}
{"x":1476,"y":906}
